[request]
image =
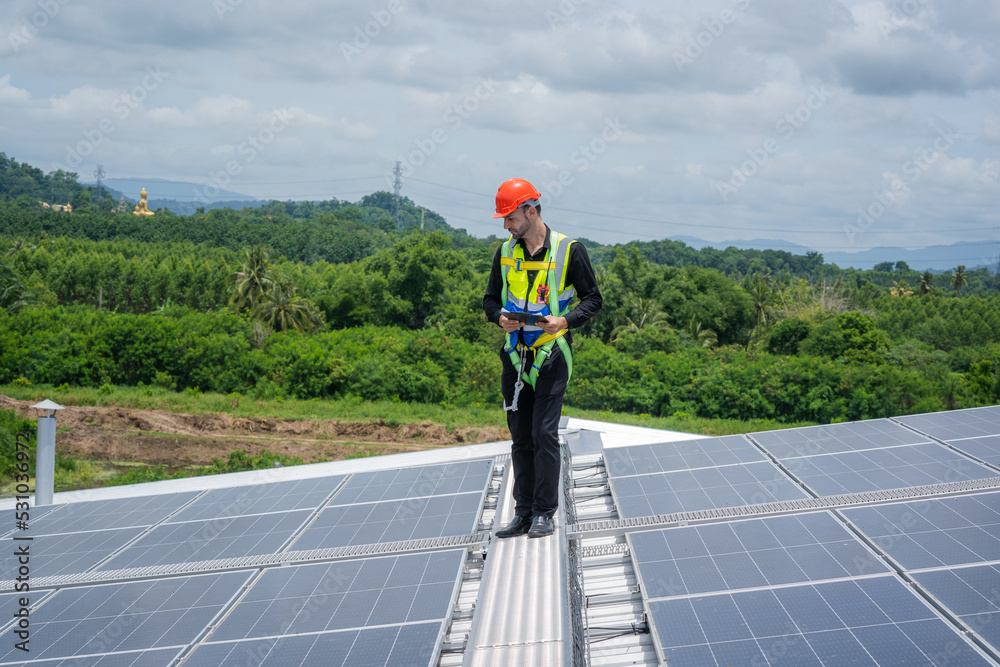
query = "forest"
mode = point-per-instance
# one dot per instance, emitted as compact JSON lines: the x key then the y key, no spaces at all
{"x":336,"y":299}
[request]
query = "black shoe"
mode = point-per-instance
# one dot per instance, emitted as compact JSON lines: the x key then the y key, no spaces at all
{"x":519,"y":526}
{"x":542,"y":526}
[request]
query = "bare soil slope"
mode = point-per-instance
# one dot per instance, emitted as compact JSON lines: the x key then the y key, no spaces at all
{"x":177,"y":439}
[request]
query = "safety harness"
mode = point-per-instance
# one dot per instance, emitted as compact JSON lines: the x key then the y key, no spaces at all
{"x":547,"y":295}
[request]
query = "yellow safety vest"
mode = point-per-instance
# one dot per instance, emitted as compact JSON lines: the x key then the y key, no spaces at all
{"x":547,"y":295}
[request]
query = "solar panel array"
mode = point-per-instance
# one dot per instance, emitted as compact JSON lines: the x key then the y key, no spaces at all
{"x":380,"y":609}
{"x":869,"y":583}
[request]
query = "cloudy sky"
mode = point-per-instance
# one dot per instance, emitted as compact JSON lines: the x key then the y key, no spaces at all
{"x":834,"y":124}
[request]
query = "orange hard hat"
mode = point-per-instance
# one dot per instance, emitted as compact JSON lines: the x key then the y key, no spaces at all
{"x":514,"y":193}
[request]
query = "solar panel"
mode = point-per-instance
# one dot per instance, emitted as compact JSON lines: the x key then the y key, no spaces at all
{"x":871,"y":621}
{"x":104,"y":514}
{"x":748,"y":554}
{"x":137,"y":616}
{"x":344,"y":595}
{"x":972,"y":594}
{"x":934,"y":533}
{"x":396,"y":520}
{"x":882,"y":469}
{"x":150,"y":658}
{"x":685,"y":455}
{"x":955,"y":424}
{"x":701,"y":489}
{"x":393,"y":646}
{"x":261,"y":498}
{"x":415,"y":482}
{"x":192,"y":541}
{"x":379,"y":611}
{"x":833,"y":438}
{"x":71,"y":553}
{"x":985,"y":448}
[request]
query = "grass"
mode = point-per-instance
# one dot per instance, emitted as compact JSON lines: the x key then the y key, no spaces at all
{"x":80,"y":474}
{"x":392,"y":413}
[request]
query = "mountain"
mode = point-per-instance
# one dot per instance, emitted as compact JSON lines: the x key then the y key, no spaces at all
{"x":973,"y":254}
{"x":938,"y":258}
{"x":181,"y":191}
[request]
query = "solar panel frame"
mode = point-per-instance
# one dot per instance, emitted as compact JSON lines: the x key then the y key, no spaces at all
{"x":210,"y":540}
{"x":114,"y":513}
{"x":680,"y":455}
{"x":749,"y":553}
{"x":319,"y":649}
{"x":689,"y":490}
{"x":985,"y":448}
{"x":163,"y":657}
{"x":933,"y":533}
{"x":130,"y":617}
{"x":884,"y":469}
{"x":415,"y":482}
{"x":320,"y":600}
{"x":392,"y":521}
{"x":268,"y":498}
{"x":835,"y":438}
{"x":69,"y":553}
{"x":971,"y":594}
{"x":877,"y":619}
{"x":955,"y":424}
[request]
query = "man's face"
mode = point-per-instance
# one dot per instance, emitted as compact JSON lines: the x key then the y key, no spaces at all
{"x":517,"y":223}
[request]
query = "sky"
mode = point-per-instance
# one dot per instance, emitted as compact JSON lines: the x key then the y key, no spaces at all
{"x":832,"y":124}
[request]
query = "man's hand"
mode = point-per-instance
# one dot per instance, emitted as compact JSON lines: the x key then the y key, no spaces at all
{"x":510,"y":326}
{"x":552,"y":325}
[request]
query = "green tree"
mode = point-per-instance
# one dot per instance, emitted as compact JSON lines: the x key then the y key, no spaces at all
{"x":926,"y":283}
{"x":13,"y":293}
{"x":958,"y":279}
{"x":282,"y":310}
{"x":255,"y":279}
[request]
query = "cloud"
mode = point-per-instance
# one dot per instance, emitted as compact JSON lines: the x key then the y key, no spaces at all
{"x":12,"y":95}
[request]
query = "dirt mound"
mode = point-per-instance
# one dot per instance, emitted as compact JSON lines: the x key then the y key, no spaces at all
{"x":178,"y":439}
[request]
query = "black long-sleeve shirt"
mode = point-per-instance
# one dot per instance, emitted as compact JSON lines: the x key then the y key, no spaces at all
{"x":579,"y":274}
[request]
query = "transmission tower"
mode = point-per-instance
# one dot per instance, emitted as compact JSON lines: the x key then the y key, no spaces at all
{"x":397,"y":185}
{"x":99,"y":174}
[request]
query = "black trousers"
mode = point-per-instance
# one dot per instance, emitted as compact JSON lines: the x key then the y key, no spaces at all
{"x":534,"y":429}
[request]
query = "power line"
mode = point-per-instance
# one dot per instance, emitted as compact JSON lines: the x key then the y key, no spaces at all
{"x":612,"y":216}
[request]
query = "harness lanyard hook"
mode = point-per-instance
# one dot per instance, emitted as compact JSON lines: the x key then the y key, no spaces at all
{"x":517,"y":385}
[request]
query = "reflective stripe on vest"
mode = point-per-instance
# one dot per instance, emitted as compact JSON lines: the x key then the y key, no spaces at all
{"x":518,"y":295}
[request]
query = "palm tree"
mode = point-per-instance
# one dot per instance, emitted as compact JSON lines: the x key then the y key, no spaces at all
{"x":760,"y":287}
{"x":701,"y":337}
{"x":255,"y":279}
{"x":282,"y":310}
{"x":13,"y":293}
{"x":900,"y":288}
{"x":927,"y":283}
{"x":643,"y":313}
{"x":958,"y":280}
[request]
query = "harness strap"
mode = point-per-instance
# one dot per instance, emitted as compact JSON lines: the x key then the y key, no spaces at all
{"x":527,"y":265}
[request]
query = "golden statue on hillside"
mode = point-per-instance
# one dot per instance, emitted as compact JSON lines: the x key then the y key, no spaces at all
{"x":142,"y":208}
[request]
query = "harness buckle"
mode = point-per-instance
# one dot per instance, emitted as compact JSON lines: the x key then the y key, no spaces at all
{"x":517,"y":263}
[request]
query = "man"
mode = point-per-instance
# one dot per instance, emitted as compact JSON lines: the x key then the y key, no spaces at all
{"x":535,"y":276}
